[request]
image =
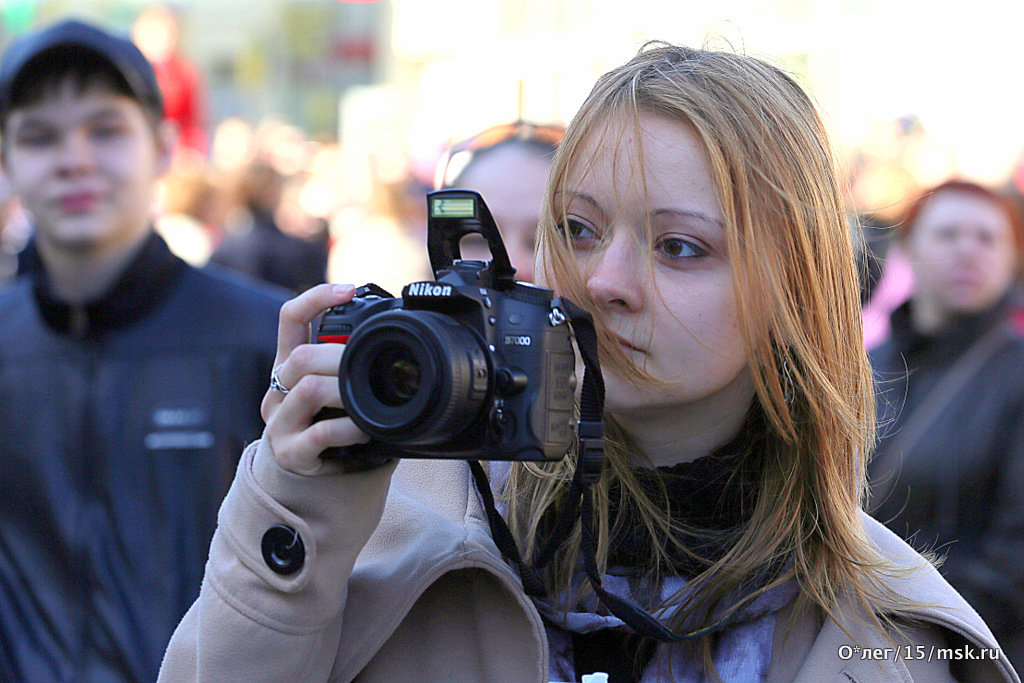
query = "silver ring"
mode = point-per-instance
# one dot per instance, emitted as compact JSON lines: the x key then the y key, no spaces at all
{"x":275,"y":383}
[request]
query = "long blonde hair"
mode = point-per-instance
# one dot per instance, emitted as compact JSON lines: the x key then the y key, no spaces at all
{"x":798,"y":301}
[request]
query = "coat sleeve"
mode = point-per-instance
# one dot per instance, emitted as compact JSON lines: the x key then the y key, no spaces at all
{"x":252,"y":623}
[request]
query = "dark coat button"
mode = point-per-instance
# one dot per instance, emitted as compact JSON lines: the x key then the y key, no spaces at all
{"x":283,"y":550}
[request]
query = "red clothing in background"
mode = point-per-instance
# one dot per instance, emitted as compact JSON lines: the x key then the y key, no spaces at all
{"x":183,"y":100}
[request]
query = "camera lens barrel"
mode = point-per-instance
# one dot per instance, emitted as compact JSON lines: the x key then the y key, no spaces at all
{"x":414,"y":378}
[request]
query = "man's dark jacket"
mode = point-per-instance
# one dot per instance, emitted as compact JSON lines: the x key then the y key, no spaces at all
{"x":260,"y":249}
{"x":959,"y":490}
{"x":120,"y":427}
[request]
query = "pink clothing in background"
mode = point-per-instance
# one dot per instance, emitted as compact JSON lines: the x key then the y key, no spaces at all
{"x":893,"y":289}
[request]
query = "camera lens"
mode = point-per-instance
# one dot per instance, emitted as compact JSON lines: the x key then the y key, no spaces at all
{"x":413,"y":378}
{"x":395,"y":376}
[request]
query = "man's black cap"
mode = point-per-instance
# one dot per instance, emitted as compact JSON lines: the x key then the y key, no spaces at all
{"x":119,"y":51}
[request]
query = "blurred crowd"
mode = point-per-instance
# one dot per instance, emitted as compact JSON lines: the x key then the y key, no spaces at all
{"x":261,"y":196}
{"x":275,"y":204}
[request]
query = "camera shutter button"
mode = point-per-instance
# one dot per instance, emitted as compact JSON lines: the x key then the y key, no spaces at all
{"x":283,"y":550}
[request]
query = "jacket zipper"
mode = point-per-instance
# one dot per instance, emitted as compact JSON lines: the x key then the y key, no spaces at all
{"x":89,"y":489}
{"x":78,"y":324}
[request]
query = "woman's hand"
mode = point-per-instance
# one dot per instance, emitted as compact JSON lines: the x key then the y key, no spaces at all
{"x":309,"y":375}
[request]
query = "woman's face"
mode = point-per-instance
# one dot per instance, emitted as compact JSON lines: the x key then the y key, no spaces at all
{"x":668,"y":295}
{"x":961,"y":249}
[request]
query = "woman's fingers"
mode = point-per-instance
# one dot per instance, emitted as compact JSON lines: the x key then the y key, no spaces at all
{"x":300,"y":452}
{"x":298,"y":313}
{"x":305,"y":359}
{"x":295,"y":439}
{"x":293,"y":341}
{"x":305,"y":380}
{"x":306,"y":398}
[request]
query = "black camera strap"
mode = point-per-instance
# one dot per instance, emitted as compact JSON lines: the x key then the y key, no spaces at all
{"x":578,"y":503}
{"x":590,"y":459}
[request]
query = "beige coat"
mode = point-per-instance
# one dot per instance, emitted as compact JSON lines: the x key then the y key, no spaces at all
{"x":403,"y":583}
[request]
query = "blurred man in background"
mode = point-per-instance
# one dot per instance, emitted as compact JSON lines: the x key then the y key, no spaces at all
{"x":256,"y":245}
{"x":129,"y":380}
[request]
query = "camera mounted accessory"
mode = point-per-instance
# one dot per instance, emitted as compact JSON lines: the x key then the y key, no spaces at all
{"x":455,"y":214}
{"x":275,"y":382}
{"x":472,"y":365}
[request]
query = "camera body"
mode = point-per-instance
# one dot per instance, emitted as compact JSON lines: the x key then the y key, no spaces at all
{"x":472,"y":365}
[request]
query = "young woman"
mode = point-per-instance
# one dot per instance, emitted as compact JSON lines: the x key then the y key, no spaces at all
{"x":693,"y":208}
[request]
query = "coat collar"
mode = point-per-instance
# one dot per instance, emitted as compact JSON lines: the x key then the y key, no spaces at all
{"x":951,"y":340}
{"x":935,"y":603}
{"x":139,"y":289}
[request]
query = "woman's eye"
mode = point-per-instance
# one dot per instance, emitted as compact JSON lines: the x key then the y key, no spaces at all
{"x":579,"y":231}
{"x":678,"y":248}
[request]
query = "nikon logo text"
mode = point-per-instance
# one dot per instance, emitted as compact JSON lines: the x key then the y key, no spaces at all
{"x":513,"y":340}
{"x":429,"y":289}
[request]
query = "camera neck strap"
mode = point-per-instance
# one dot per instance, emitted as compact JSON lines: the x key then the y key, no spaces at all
{"x":578,"y":503}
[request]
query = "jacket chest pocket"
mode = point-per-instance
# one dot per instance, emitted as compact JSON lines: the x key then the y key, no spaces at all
{"x":171,"y":406}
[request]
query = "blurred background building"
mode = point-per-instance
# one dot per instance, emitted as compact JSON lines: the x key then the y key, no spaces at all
{"x":431,"y":67}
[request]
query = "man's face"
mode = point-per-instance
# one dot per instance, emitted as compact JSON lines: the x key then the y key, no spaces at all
{"x":85,"y":165}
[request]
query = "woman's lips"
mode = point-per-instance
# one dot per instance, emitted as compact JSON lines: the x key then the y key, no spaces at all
{"x":627,"y":346}
{"x":78,"y":202}
{"x":966,"y":277}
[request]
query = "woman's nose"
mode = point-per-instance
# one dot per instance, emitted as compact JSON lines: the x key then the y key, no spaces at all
{"x":616,"y":273}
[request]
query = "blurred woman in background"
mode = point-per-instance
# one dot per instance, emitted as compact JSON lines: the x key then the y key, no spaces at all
{"x":949,"y":469}
{"x":509,"y":165}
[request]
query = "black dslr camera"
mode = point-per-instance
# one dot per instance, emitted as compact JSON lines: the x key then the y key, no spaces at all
{"x":472,"y":365}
